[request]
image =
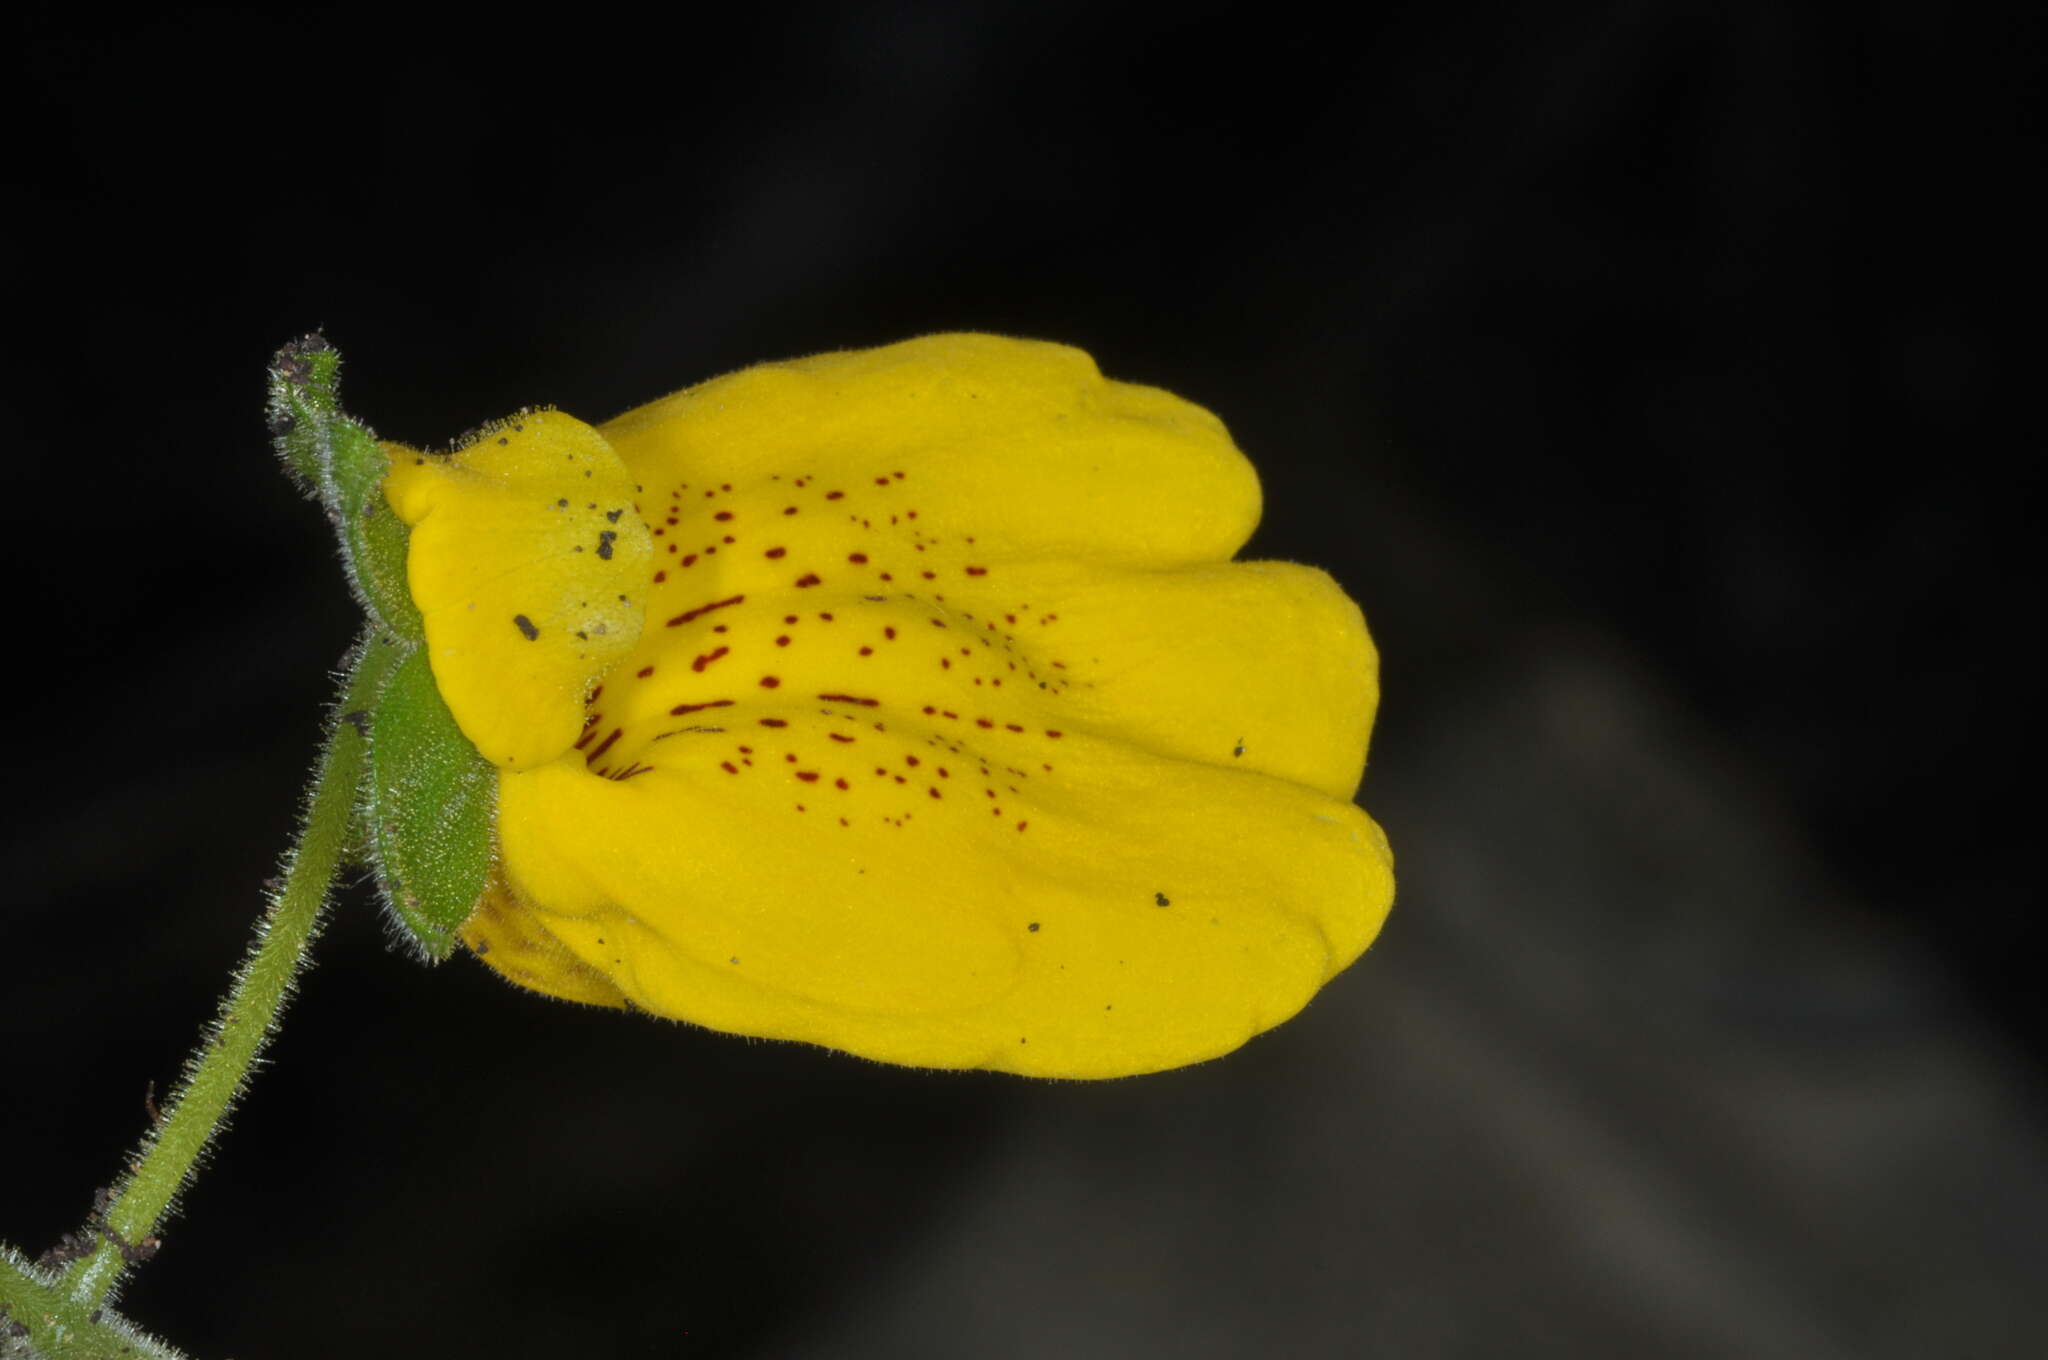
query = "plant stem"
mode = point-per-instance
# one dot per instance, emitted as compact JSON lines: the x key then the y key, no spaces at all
{"x":216,"y":1073}
{"x":36,"y":1320}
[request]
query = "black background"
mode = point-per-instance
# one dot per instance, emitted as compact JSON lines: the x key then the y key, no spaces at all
{"x":1639,"y":370}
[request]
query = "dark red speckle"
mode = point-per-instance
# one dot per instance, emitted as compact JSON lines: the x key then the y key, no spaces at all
{"x":701,"y":610}
{"x":770,"y":681}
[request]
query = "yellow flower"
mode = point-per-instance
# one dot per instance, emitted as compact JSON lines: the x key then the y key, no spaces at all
{"x":904,"y":701}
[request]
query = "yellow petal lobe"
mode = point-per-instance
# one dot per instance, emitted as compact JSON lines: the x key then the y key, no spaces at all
{"x":529,"y":563}
{"x":501,"y":932}
{"x":1026,"y":439}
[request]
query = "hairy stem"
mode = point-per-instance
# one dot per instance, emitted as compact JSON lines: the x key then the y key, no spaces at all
{"x":37,"y":1322}
{"x":125,"y":1221}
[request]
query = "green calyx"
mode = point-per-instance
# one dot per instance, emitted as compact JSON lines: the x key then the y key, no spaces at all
{"x":427,"y":804}
{"x":338,"y":461}
{"x":432,"y":803}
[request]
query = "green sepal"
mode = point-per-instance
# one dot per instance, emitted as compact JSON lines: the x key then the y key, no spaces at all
{"x":303,"y":380}
{"x":338,"y":460}
{"x":432,"y":807}
{"x":374,"y":540}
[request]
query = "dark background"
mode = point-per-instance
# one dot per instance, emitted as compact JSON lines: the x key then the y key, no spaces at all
{"x":1639,"y":370}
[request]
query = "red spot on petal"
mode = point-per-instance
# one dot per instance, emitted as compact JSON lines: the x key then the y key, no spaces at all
{"x":839,"y":736}
{"x":977,"y":571}
{"x":728,"y":767}
{"x":775,"y":552}
{"x":702,"y":609}
{"x":644,"y":672}
{"x":680,"y":709}
{"x":850,"y":699}
{"x":808,"y":580}
{"x":773,"y":722}
{"x":808,"y":776}
{"x":782,"y":641}
{"x":858,"y":559}
{"x":770,"y":681}
{"x":834,"y":495}
{"x":708,"y":657}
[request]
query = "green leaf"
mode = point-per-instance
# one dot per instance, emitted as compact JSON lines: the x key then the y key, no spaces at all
{"x":433,"y":803}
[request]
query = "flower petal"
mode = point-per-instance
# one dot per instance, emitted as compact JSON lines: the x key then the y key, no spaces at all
{"x":1124,"y":914}
{"x":530,"y":571}
{"x":505,"y":935}
{"x":1026,"y":441}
